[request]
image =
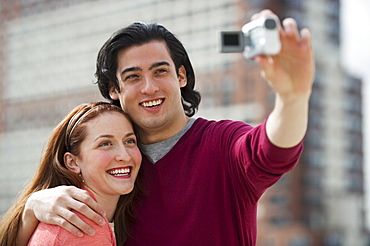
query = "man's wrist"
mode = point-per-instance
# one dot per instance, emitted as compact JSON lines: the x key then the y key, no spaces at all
{"x":28,"y":214}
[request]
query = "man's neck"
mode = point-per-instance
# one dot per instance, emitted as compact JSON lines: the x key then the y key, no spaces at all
{"x":150,"y":136}
{"x":155,"y":152}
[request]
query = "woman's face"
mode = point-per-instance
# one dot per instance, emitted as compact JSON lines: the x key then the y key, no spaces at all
{"x":109,"y":159}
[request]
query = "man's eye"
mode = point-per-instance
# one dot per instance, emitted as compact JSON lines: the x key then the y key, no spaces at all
{"x":162,"y":70}
{"x":130,"y":77}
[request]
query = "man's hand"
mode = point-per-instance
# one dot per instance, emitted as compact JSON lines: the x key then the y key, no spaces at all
{"x":291,"y":72}
{"x":54,"y":205}
{"x":291,"y":75}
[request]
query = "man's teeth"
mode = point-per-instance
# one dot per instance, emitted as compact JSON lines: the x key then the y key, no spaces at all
{"x":152,"y":103}
{"x":120,"y":172}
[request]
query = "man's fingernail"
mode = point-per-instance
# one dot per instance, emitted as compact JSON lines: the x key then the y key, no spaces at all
{"x":289,"y":28}
{"x":91,"y":232}
{"x":101,"y":222}
{"x":80,"y":234}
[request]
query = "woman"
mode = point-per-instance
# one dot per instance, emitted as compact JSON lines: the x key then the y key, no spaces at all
{"x":93,"y":148}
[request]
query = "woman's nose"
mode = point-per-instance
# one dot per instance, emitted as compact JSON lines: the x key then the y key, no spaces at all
{"x":123,"y":155}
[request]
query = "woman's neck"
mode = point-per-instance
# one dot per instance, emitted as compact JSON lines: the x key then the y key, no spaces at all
{"x":108,"y":202}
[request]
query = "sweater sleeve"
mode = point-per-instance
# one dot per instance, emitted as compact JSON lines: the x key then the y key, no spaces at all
{"x":46,"y":234}
{"x":269,"y":157}
{"x":260,"y":162}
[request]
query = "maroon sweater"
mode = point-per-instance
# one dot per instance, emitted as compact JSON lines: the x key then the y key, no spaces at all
{"x":205,"y":190}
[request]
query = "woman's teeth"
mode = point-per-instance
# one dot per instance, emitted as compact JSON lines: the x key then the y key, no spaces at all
{"x":120,"y":172}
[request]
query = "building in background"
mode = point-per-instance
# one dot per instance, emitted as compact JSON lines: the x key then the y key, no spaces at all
{"x":48,"y":50}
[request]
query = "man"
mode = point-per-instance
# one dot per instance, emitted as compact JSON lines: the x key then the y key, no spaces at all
{"x":203,"y":178}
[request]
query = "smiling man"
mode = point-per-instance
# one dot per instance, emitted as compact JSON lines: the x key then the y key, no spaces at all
{"x":149,"y":90}
{"x":203,"y":178}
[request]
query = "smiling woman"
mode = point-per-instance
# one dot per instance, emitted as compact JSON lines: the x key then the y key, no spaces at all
{"x":93,"y":148}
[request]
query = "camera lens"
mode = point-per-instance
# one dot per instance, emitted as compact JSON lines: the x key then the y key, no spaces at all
{"x":270,"y":24}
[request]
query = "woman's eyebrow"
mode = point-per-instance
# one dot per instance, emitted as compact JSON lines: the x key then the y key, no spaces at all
{"x":129,"y":134}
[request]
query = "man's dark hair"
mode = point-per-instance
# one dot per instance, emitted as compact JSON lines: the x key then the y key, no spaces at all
{"x":136,"y":34}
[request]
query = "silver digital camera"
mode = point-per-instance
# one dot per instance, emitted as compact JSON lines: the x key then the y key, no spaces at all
{"x":258,"y":37}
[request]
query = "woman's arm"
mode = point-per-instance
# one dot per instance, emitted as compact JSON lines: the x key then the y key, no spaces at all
{"x":27,"y":227}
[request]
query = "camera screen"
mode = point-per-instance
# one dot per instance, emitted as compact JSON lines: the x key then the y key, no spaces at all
{"x":231,"y":39}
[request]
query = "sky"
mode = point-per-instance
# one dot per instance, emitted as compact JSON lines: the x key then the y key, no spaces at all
{"x":356,"y":58}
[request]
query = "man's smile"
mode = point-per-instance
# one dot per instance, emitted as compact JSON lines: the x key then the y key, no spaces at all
{"x":152,"y":104}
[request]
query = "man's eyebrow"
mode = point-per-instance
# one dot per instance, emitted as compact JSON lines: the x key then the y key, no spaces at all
{"x":130,"y":69}
{"x":158,"y":64}
{"x":133,"y":69}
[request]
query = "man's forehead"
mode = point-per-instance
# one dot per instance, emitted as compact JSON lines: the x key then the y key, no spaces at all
{"x":145,"y":56}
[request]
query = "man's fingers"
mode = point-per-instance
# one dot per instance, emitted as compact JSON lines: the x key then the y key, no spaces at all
{"x":58,"y":205}
{"x":72,"y":199}
{"x":92,"y":204}
{"x":71,"y":222}
{"x":265,"y":12}
{"x":88,"y":212}
{"x":306,"y":37}
{"x":68,"y":226}
{"x":88,"y":207}
{"x":290,"y":28}
{"x":69,"y":219}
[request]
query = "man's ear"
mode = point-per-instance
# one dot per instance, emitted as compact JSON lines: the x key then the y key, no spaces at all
{"x":183,"y":80}
{"x":113,"y":93}
{"x":70,"y":161}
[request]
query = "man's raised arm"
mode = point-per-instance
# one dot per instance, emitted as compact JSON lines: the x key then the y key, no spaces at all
{"x":291,"y":76}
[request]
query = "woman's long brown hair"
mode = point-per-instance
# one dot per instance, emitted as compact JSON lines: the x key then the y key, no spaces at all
{"x":52,"y":172}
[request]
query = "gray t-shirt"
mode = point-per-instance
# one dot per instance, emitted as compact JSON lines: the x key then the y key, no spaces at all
{"x":156,"y":151}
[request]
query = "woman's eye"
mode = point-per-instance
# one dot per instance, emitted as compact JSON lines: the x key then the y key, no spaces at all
{"x":105,"y":143}
{"x":131,"y":141}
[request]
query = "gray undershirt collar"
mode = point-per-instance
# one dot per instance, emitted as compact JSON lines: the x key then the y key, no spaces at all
{"x":154,"y":152}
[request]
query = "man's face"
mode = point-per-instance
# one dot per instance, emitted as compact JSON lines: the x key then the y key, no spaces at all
{"x":150,"y":87}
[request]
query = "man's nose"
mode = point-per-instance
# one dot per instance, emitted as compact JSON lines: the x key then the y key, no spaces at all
{"x":149,"y":86}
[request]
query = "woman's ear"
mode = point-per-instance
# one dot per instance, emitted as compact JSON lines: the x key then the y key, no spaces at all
{"x":70,"y":161}
{"x":113,"y":93}
{"x":183,"y":80}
